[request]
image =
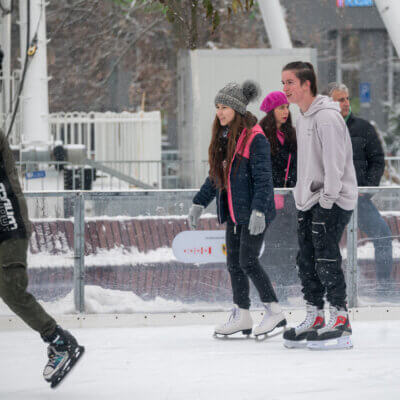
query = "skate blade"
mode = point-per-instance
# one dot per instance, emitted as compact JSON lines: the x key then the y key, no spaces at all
{"x":343,"y":342}
{"x":223,"y":336}
{"x":269,"y":335}
{"x":67,"y":368}
{"x":292,"y":344}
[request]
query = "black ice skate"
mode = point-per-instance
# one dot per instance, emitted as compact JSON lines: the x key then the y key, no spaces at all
{"x":336,"y":334}
{"x":63,"y":352}
{"x":297,"y":337}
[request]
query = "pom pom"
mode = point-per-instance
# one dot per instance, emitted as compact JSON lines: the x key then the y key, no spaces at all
{"x":251,"y":90}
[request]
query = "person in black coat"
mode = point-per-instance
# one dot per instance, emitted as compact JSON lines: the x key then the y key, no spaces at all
{"x":241,"y":180}
{"x":369,"y":163}
{"x":281,"y":239}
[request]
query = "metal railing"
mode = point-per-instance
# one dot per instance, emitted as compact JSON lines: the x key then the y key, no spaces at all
{"x":80,"y":198}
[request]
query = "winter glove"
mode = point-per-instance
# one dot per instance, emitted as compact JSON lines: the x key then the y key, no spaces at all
{"x":194,"y":215}
{"x":257,"y":222}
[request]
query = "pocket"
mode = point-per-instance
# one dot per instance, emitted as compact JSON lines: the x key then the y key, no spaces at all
{"x":319,"y":234}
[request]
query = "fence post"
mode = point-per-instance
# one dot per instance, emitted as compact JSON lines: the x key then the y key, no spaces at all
{"x":351,"y":270}
{"x":79,"y":253}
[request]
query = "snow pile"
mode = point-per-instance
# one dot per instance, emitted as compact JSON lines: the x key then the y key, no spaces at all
{"x":107,"y":301}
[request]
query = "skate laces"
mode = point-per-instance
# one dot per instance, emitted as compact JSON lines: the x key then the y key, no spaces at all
{"x":55,"y":357}
{"x":233,"y":316}
{"x":309,"y":320}
{"x":333,"y":313}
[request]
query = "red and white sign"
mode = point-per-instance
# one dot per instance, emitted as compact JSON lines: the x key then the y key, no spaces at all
{"x":200,"y":247}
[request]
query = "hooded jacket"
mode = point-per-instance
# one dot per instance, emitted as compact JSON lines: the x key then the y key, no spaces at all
{"x":249,"y":185}
{"x":14,"y":222}
{"x":325,"y":169}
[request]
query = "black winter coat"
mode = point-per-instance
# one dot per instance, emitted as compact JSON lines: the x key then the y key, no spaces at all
{"x":368,"y":156}
{"x":279,"y":165}
{"x":250,"y":182}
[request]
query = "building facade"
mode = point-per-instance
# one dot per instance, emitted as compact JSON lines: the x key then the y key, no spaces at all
{"x":354,"y":48}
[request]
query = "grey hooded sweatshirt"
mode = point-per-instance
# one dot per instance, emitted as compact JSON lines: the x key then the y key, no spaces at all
{"x":325,"y":170}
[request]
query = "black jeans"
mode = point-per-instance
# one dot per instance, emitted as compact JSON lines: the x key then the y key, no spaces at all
{"x":243,"y":250}
{"x":319,"y":259}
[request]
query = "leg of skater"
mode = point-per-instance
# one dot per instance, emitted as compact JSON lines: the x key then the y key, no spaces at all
{"x":62,"y":346}
{"x":328,"y":227}
{"x":240,"y":318}
{"x":250,"y":246}
{"x":313,"y":289}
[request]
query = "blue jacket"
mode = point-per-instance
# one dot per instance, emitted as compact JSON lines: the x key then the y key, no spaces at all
{"x":249,"y":185}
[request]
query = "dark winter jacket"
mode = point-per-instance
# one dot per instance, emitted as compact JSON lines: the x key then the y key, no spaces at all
{"x":279,"y":166}
{"x":368,"y":156}
{"x":14,"y":222}
{"x":249,"y":185}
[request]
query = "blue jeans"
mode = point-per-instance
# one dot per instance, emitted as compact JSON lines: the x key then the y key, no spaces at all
{"x":375,"y":227}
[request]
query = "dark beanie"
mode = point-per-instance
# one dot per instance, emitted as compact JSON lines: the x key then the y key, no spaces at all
{"x":238,"y":96}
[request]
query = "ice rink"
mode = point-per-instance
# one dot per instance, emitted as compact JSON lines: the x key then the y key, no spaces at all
{"x":159,"y":363}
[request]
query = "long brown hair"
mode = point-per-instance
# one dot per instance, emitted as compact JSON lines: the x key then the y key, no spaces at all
{"x":268,"y":125}
{"x":216,"y":157}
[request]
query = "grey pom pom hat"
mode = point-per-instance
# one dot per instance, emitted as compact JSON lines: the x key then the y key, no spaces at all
{"x":238,"y":96}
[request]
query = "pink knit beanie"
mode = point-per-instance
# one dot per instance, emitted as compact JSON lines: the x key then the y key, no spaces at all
{"x":273,"y":100}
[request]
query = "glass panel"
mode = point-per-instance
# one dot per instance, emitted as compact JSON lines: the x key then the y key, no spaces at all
{"x":50,"y":256}
{"x":350,"y":47}
{"x":352,"y":80}
{"x":379,"y":248}
{"x":130,"y":261}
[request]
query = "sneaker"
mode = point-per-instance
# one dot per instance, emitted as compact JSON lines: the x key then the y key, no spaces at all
{"x":273,"y":318}
{"x":239,"y":321}
{"x":63,"y":352}
{"x":297,"y":337}
{"x":335,"y":335}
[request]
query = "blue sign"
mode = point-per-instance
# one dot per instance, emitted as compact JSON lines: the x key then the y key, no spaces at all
{"x":365,"y":92}
{"x":354,"y":3}
{"x":35,"y":174}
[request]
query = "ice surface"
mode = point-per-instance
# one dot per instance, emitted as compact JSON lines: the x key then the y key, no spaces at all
{"x":186,"y":363}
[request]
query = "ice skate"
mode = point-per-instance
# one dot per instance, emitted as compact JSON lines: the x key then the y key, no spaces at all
{"x":239,"y":321}
{"x":336,"y":334}
{"x":63,"y":352}
{"x":272,"y":320}
{"x":297,"y":337}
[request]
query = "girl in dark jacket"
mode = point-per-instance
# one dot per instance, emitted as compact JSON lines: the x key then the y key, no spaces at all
{"x":241,"y":180}
{"x":281,"y":238}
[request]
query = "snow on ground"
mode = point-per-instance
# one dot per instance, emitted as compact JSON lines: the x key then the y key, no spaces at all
{"x":186,"y":363}
{"x":109,"y":301}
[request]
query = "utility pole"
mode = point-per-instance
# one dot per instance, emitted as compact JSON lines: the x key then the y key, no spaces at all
{"x":34,"y":100}
{"x":275,"y":24}
{"x":390,"y":14}
{"x":5,"y":43}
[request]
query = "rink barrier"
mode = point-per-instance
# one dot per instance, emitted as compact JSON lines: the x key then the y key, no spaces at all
{"x":147,"y":234}
{"x":153,"y":319}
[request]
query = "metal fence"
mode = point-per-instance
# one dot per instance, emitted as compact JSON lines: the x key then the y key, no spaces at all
{"x":154,"y":204}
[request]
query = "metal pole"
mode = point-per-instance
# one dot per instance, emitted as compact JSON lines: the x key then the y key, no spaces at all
{"x":79,"y":253}
{"x":351,"y":270}
{"x":5,"y":42}
{"x":390,"y":14}
{"x":275,"y":24}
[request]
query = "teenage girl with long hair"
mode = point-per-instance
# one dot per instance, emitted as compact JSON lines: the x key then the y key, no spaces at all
{"x":240,"y":178}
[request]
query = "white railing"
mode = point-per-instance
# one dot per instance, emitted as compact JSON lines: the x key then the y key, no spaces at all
{"x":115,"y":137}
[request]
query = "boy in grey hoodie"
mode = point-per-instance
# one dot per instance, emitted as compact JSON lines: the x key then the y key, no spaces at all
{"x":325,"y":195}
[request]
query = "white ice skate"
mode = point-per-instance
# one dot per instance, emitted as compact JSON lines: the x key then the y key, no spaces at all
{"x":273,"y":319}
{"x":239,"y":321}
{"x":297,"y":337}
{"x":335,"y":335}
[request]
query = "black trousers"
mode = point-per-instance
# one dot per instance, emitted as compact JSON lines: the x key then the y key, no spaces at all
{"x":243,"y":250}
{"x":319,"y":260}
